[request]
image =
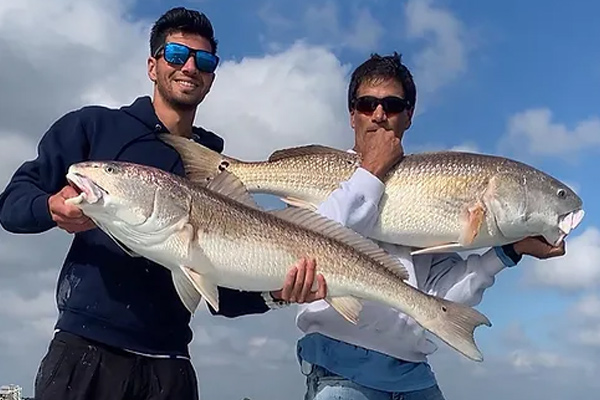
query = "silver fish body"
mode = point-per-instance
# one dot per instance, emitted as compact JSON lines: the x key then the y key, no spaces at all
{"x":218,"y":236}
{"x":434,"y":202}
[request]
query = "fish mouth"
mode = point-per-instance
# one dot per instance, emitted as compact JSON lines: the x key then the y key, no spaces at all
{"x":567,"y":223}
{"x":87,"y":190}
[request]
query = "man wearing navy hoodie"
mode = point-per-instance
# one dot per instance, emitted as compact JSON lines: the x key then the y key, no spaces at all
{"x":122,"y":331}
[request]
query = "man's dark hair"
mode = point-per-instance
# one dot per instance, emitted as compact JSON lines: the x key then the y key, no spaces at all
{"x":382,"y":68}
{"x":180,"y":19}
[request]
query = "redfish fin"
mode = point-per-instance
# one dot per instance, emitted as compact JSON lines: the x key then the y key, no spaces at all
{"x":474,"y":217}
{"x":189,"y":295}
{"x":472,"y":221}
{"x":306,"y":150}
{"x":456,"y":326}
{"x":443,"y":248}
{"x":230,"y":186}
{"x":349,"y":307}
{"x":125,"y":249}
{"x":295,"y":202}
{"x":330,"y":228}
{"x":203,"y":285}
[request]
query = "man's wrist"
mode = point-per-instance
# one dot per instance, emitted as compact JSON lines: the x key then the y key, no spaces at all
{"x":376,"y":170}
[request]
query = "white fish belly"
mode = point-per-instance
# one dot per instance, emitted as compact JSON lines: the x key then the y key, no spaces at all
{"x":246,"y":265}
{"x":434,"y":229}
{"x":423,"y":215}
{"x":254,"y":266}
{"x":417,"y":224}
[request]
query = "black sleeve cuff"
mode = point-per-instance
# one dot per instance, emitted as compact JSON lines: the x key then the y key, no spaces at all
{"x":235,"y":303}
{"x":510,"y":252}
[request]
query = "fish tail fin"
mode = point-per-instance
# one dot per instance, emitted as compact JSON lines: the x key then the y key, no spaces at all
{"x":201,"y":164}
{"x":456,"y":325}
{"x":190,"y":297}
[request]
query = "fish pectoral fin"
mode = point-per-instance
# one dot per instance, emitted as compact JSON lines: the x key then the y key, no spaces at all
{"x":442,"y":248}
{"x":203,"y":285}
{"x":189,"y":295}
{"x":125,"y":249}
{"x":349,"y":307}
{"x":296,"y":202}
{"x":229,"y":185}
{"x":474,"y":217}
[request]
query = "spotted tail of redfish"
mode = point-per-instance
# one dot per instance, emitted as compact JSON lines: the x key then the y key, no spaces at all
{"x":456,"y":325}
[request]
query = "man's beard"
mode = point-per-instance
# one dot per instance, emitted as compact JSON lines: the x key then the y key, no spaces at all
{"x":178,"y":104}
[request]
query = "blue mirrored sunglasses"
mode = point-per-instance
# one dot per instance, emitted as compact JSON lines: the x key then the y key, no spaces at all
{"x":178,"y":54}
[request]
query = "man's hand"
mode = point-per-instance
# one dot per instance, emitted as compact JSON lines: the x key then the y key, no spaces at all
{"x":298,"y":284}
{"x":67,"y":216}
{"x":380,"y":151}
{"x":538,"y":247}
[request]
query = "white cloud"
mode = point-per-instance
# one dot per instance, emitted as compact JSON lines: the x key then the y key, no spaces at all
{"x":536,"y":131}
{"x":584,"y":322}
{"x":532,"y":360}
{"x":14,"y":149}
{"x":578,"y":269}
{"x":283,"y":99}
{"x":436,"y":146}
{"x":332,"y":24}
{"x":533,"y":374}
{"x":515,"y":336}
{"x":441,"y":40}
{"x":73,"y":50}
{"x":14,"y":305}
{"x":27,"y":317}
{"x":324,"y":20}
{"x":588,"y":306}
{"x":468,"y":147}
{"x":443,"y":58}
{"x":590,"y":336}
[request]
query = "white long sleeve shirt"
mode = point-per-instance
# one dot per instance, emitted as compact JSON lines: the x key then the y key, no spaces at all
{"x":381,"y":328}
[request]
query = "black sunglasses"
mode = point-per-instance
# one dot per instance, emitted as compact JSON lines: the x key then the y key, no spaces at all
{"x":178,"y":54}
{"x":391,"y":104}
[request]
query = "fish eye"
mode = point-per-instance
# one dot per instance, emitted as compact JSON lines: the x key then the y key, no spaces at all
{"x":109,"y":169}
{"x":561,"y":193}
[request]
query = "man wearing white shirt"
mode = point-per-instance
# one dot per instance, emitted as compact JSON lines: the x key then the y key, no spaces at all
{"x":384,"y":357}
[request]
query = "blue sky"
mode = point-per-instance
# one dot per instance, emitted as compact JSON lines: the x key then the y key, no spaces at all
{"x":519,"y":79}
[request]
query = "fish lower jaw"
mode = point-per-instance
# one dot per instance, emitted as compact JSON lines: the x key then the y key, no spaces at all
{"x":567,"y":224}
{"x":86,"y":193}
{"x":76,"y":200}
{"x":83,"y":198}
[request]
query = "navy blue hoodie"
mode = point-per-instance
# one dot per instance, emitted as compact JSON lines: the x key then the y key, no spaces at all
{"x":102,"y":293}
